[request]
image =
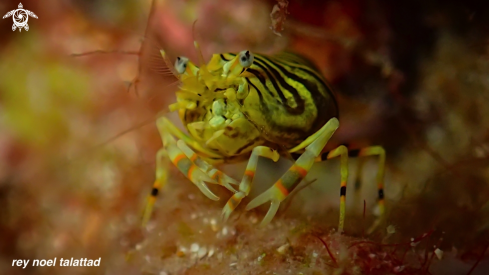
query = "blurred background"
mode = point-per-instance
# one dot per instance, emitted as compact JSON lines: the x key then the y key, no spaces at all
{"x":80,"y":91}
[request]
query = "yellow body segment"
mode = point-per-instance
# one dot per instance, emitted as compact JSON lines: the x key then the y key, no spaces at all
{"x":241,"y":107}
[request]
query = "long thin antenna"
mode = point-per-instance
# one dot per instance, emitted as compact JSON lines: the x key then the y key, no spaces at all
{"x":197,"y":47}
{"x":136,"y":80}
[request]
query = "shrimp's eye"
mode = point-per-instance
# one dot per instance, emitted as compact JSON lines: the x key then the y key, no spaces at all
{"x":246,"y":58}
{"x":181,"y":64}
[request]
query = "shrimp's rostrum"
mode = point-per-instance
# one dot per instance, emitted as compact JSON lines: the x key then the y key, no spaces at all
{"x":244,"y":106}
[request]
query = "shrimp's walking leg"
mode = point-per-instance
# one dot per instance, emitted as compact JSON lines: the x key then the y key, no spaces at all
{"x":377,"y":151}
{"x":161,"y":180}
{"x":171,"y":151}
{"x":192,"y":149}
{"x":279,"y":191}
{"x":368,"y":151}
{"x":187,"y":161}
{"x":343,"y":152}
{"x":246,"y":182}
{"x":218,"y":176}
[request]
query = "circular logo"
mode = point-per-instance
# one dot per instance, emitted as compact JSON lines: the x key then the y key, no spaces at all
{"x":20,"y":18}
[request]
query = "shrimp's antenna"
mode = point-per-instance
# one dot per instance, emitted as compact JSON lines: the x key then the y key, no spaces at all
{"x":203,"y":71}
{"x":197,"y":46}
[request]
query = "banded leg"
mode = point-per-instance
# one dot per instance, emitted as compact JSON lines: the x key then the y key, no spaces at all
{"x":374,"y":151}
{"x":161,"y":180}
{"x":279,"y":191}
{"x":343,"y":152}
{"x":246,"y":182}
{"x":184,"y":163}
{"x":380,"y":152}
{"x":218,"y":176}
{"x":368,"y":151}
{"x":351,"y":153}
{"x":191,"y":171}
{"x":185,"y":142}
